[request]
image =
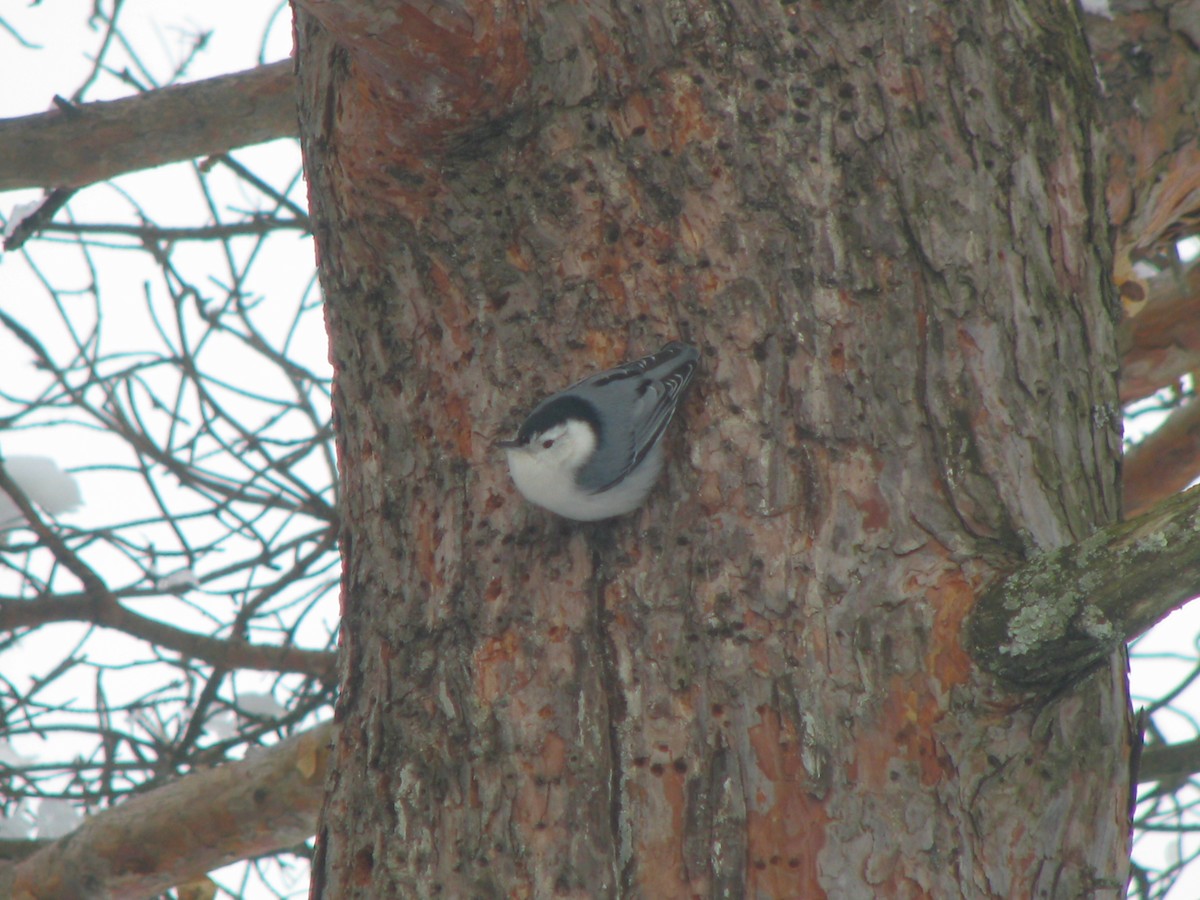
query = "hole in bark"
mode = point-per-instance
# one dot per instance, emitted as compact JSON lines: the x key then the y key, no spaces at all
{"x":364,"y":862}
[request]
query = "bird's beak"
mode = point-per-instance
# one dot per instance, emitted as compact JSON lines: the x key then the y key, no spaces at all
{"x":506,"y":445}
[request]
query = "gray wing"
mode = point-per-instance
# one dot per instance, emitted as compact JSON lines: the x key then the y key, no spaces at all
{"x":642,"y":396}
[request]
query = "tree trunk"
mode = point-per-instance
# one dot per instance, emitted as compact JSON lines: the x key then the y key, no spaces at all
{"x":884,"y":226}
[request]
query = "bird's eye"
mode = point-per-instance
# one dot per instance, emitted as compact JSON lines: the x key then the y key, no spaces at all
{"x":548,"y":443}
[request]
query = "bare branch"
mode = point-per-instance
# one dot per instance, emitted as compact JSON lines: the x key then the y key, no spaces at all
{"x":105,"y":610}
{"x":81,"y":145}
{"x":1166,"y":462}
{"x":200,"y":233}
{"x":1169,"y":762}
{"x":205,"y":820}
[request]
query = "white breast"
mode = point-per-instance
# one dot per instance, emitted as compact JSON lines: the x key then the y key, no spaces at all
{"x":546,"y":476}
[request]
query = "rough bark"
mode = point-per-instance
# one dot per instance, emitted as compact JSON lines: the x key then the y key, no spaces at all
{"x":887,"y":233}
{"x":1149,"y":62}
{"x":1066,"y":611}
{"x":176,"y":833}
{"x":78,"y":145}
{"x":1144,"y":54}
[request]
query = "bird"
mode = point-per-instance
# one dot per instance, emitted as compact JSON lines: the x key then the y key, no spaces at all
{"x":594,"y":450}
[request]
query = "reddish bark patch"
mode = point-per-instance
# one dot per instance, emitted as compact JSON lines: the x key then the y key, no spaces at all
{"x":786,"y":824}
{"x":494,"y":671}
{"x":951,"y":598}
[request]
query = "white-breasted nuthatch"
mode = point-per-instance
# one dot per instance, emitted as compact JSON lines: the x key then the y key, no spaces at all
{"x":594,"y":450}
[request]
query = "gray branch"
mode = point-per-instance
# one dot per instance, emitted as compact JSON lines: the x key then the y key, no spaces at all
{"x":73,"y":146}
{"x":1064,"y":612}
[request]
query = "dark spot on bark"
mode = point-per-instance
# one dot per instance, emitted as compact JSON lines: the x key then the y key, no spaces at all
{"x":1131,"y":290}
{"x":364,"y":863}
{"x":404,"y":176}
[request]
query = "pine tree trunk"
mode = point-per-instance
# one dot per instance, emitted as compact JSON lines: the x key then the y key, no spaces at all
{"x":884,"y":227}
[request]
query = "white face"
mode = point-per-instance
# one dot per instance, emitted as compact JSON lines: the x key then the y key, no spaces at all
{"x":562,"y":448}
{"x":544,"y":469}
